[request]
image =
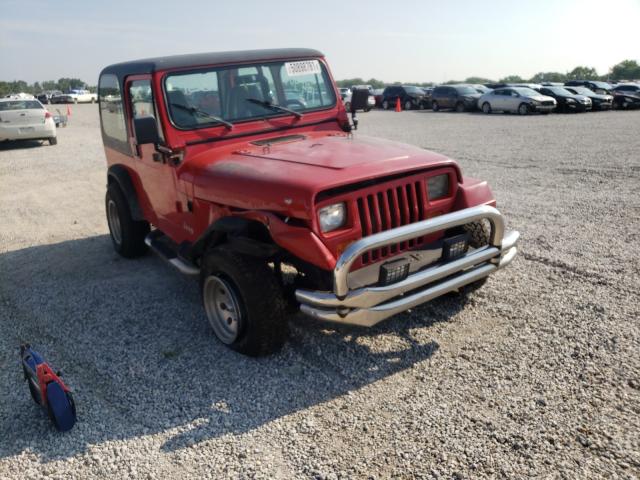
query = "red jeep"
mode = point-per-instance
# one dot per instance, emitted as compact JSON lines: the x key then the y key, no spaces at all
{"x":242,"y":168}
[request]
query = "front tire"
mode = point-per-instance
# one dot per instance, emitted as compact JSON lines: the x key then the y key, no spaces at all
{"x":478,"y":237}
{"x":460,"y":107}
{"x":524,"y":109}
{"x":385,"y":105}
{"x":127,"y":235}
{"x":486,"y":108}
{"x":408,"y":105}
{"x":434,"y":106}
{"x":244,"y":303}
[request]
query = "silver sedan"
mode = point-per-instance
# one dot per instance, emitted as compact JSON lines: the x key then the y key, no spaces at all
{"x":516,"y":99}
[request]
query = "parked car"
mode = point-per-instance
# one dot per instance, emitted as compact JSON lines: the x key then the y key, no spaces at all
{"x":567,"y":101}
{"x":410,"y":97}
{"x":626,"y":95}
{"x":516,"y":99}
{"x":456,"y":97}
{"x":599,"y":101}
{"x":45,"y":97}
{"x":293,"y":212}
{"x":75,"y":96}
{"x":19,"y":96}
{"x":344,"y":92}
{"x":602,"y":88}
{"x":22,"y":119}
{"x":377,"y":96}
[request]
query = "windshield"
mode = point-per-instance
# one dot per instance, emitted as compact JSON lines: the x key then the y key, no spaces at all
{"x":466,"y":90}
{"x":415,"y":90}
{"x":247,"y":92}
{"x":582,"y":90}
{"x":559,"y":91}
{"x":604,"y":85}
{"x":527,"y":92}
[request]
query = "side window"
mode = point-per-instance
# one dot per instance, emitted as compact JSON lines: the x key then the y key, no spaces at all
{"x":114,"y":130}
{"x":142,"y":101}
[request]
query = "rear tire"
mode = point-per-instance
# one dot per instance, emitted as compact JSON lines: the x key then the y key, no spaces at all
{"x":127,"y":235}
{"x":347,"y":106}
{"x":385,"y":105}
{"x":53,"y":140}
{"x":244,"y":303}
{"x":434,"y":106}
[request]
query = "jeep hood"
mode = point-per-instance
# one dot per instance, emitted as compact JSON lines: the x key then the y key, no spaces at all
{"x":286,"y":174}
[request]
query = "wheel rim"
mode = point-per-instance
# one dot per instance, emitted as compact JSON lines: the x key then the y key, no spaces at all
{"x":407,"y":105}
{"x":385,"y":105}
{"x":223,"y":308}
{"x":486,"y":108}
{"x":523,"y":109}
{"x":434,"y":106}
{"x":114,"y":221}
{"x":460,"y":107}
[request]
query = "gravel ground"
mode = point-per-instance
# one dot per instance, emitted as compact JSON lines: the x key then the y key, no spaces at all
{"x":534,"y":376}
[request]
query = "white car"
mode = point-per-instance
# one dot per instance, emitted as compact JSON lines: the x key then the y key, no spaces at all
{"x":77,"y":96}
{"x":26,"y":120}
{"x":516,"y":99}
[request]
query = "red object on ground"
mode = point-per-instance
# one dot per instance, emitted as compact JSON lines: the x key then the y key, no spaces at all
{"x":398,"y":107}
{"x":68,"y":110}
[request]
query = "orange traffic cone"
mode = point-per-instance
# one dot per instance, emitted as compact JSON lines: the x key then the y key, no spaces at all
{"x":68,"y":110}
{"x":398,"y":107}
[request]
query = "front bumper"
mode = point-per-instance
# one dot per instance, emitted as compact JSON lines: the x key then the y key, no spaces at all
{"x":543,"y":108}
{"x":369,"y":305}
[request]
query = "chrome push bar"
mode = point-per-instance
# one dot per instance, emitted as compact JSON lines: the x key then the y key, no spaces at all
{"x":367,"y":306}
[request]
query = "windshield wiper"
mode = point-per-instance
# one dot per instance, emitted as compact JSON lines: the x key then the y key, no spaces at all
{"x":278,"y":108}
{"x":229,"y":125}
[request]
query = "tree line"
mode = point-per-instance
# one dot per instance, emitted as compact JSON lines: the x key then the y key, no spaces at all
{"x":63,"y":84}
{"x":625,"y":70}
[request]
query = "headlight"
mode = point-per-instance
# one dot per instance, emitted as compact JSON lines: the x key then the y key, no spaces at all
{"x":438,"y":186}
{"x":332,"y":216}
{"x":570,"y":100}
{"x":535,"y":102}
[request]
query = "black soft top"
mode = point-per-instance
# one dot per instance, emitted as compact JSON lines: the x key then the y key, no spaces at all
{"x":150,"y":65}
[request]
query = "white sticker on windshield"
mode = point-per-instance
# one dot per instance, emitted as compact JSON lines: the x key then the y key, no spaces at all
{"x":305,"y":67}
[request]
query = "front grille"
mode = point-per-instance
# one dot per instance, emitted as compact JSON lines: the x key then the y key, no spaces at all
{"x":390,"y":206}
{"x":547,"y":103}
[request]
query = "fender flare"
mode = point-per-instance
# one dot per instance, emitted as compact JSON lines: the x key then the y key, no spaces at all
{"x":249,"y":237}
{"x":121,"y":176}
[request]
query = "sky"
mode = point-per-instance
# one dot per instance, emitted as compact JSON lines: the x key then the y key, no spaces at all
{"x":413,"y":41}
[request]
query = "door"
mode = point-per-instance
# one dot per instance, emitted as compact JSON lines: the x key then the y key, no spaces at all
{"x":512,"y":101}
{"x":452,"y":97}
{"x":156,"y":175}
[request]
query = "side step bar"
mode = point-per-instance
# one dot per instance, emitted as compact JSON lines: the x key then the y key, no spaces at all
{"x":165,"y":249}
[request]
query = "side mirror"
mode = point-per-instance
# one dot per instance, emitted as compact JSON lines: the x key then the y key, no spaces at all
{"x":359,"y":99}
{"x":146,"y":130}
